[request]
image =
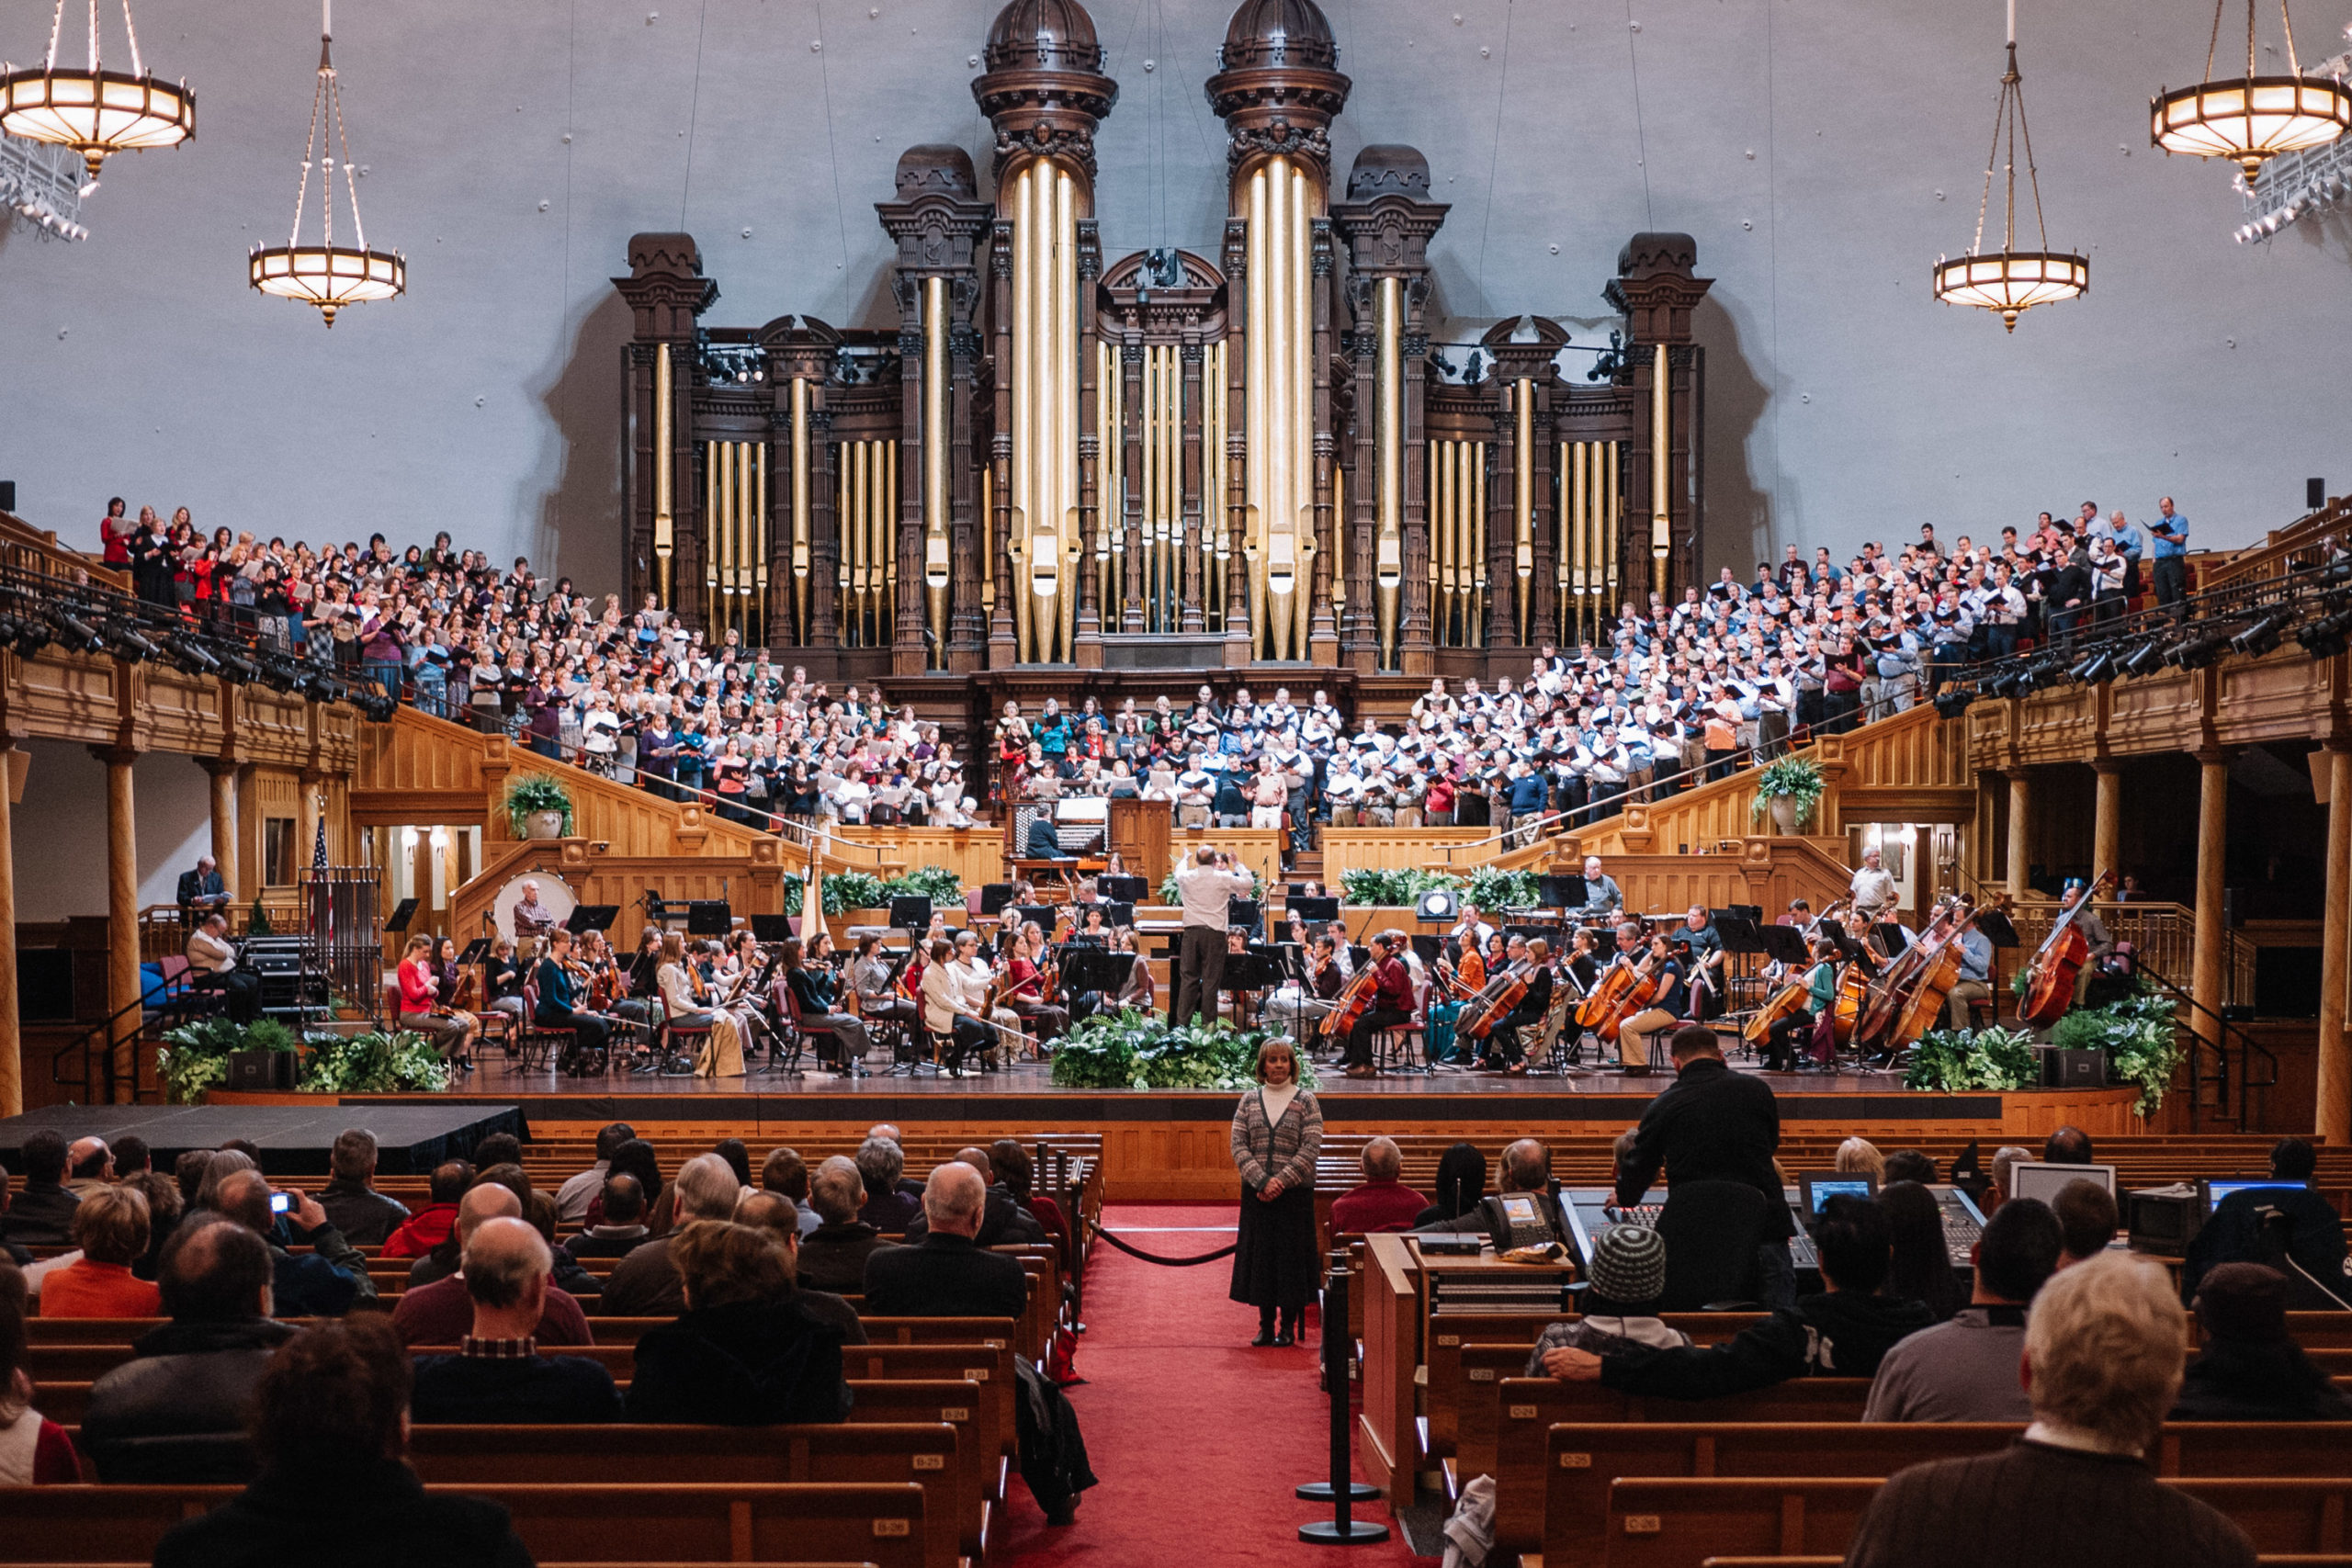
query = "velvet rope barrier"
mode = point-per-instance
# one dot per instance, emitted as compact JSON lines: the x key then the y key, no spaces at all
{"x":1225,"y":1251}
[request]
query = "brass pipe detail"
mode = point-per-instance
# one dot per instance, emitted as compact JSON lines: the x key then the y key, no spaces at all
{"x":1475,"y":571}
{"x":1661,"y":467}
{"x":1522,"y":453}
{"x":801,"y":557}
{"x":665,"y":518}
{"x":711,"y":491}
{"x":934,"y":463}
{"x":1023,"y":411}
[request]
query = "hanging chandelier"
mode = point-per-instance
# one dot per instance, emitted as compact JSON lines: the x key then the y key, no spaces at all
{"x":95,"y":111}
{"x":327,"y":275}
{"x":2252,"y":119}
{"x":2010,"y":280}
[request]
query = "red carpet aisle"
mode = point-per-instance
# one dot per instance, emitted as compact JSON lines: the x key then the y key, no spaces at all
{"x":1197,"y":1438}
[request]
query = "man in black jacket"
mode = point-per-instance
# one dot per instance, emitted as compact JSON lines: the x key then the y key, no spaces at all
{"x":176,"y":1412}
{"x":353,"y":1206}
{"x":42,"y":1213}
{"x":498,"y":1374}
{"x":833,"y":1257}
{"x":1003,"y":1221}
{"x":323,"y":1282}
{"x":1842,"y":1333}
{"x":1714,"y":1125}
{"x":2250,"y":1368}
{"x":948,"y":1275}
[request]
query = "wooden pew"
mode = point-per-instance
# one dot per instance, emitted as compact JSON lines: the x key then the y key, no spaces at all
{"x":926,"y":1455}
{"x":591,"y":1522}
{"x":1673,"y":1523}
{"x":1583,"y":1460}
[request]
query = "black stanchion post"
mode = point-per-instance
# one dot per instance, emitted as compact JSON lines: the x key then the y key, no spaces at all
{"x":1340,"y":1529}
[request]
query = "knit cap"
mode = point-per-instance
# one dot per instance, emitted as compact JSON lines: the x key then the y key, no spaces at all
{"x":1629,"y":1265}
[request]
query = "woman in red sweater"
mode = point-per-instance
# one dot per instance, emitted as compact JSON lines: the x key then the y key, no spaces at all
{"x":34,"y":1450}
{"x":110,"y":1226}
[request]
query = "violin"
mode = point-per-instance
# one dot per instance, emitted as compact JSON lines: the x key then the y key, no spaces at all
{"x":2057,"y":963}
{"x":1497,"y":1000}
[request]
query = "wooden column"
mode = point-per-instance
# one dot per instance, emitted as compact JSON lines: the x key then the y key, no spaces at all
{"x":2020,"y":830}
{"x":12,"y":1061}
{"x":2107,"y":821}
{"x":2207,"y":977}
{"x":2334,"y":1118}
{"x":122,"y":906}
{"x":224,"y":823}
{"x":307,"y":827}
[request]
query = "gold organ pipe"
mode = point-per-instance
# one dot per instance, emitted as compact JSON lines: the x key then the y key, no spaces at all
{"x":853,"y":533}
{"x":886,"y":544}
{"x":1474,"y":575}
{"x":747,"y":517}
{"x":801,"y":555}
{"x":712,"y":489}
{"x":988,"y":538}
{"x":1024,"y":412}
{"x":665,"y":518}
{"x":1573,"y":455}
{"x":1661,"y":467}
{"x":1339,"y":541}
{"x":1064,"y":368}
{"x":935,"y":462}
{"x":1257,"y":395}
{"x":1442,"y":577}
{"x":1214,"y":488}
{"x":1298,"y":508}
{"x":1522,"y":453}
{"x":1607,"y":567}
{"x":763,"y":538}
{"x":1388,"y":549}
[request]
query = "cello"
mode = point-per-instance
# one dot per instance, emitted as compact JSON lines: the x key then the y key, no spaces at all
{"x":2057,"y":963}
{"x":1354,"y":1001}
{"x":1939,"y":972}
{"x":1497,"y":1000}
{"x":1622,"y":992}
{"x":1893,"y":985}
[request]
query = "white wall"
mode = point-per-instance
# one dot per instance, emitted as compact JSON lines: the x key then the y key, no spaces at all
{"x":1847,"y":405}
{"x":58,"y":835}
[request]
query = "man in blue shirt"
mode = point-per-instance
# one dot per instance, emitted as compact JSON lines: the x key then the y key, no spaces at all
{"x":1976,"y":975}
{"x":2170,"y":531}
{"x":1527,"y":801}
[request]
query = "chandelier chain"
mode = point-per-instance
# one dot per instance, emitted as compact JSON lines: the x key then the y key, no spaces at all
{"x":138,"y":66}
{"x":2032,"y":174}
{"x":2213,"y":44}
{"x":350,"y":172}
{"x":309,"y":151}
{"x":1991,"y":157}
{"x":57,"y":30}
{"x":2287,"y":24}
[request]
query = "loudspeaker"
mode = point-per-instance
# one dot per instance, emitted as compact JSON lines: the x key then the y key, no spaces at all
{"x":2071,"y":1069}
{"x":7,"y":495}
{"x":264,"y":1070}
{"x":2314,"y":495}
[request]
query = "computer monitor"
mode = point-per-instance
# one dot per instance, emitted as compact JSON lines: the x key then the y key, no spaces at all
{"x":1816,"y":1187}
{"x":2036,"y":1180}
{"x":2217,"y":1190}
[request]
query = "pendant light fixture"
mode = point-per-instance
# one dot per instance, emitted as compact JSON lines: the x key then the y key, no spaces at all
{"x":2250,"y":119}
{"x":2011,"y":281}
{"x":327,"y":275}
{"x":95,"y":111}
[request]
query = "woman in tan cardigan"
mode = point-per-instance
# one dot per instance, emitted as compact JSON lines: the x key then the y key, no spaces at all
{"x":1277,"y":1134}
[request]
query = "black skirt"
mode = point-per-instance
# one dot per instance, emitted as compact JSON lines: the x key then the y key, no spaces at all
{"x":1274,"y":1262}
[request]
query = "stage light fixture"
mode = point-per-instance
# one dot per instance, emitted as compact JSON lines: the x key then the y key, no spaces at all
{"x":2263,"y":635}
{"x":2144,"y":660}
{"x":329,"y":689}
{"x":2199,"y":651}
{"x":129,"y":644}
{"x":2097,"y":668}
{"x":2327,"y":636}
{"x":190,"y":654}
{"x":236,"y":669}
{"x":378,"y":708}
{"x":74,"y":632}
{"x":1952,"y":704}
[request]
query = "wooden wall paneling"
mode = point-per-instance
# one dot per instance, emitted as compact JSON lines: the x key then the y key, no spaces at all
{"x":1390,"y":849}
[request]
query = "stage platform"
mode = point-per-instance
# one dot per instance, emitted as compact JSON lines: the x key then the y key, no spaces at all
{"x":1174,"y":1144}
{"x":295,"y":1134}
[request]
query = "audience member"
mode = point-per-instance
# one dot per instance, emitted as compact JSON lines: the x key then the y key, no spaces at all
{"x":89,"y":1166}
{"x":2102,"y":1365}
{"x":1619,"y":1308}
{"x":743,"y":1352}
{"x":1460,"y":1185}
{"x":1910,"y":1164}
{"x":571,"y":1199}
{"x":497,"y":1149}
{"x":1860,"y":1156}
{"x":34,"y":1450}
{"x":947,"y":1274}
{"x":1015,"y":1172}
{"x":646,"y":1282}
{"x":1966,"y":1369}
{"x":1922,"y":1269}
{"x":2250,"y":1368}
{"x":2086,"y":1213}
{"x":110,"y":1227}
{"x":330,"y":1430}
{"x":1381,"y":1202}
{"x":131,"y":1157}
{"x":833,"y":1257}
{"x":497,"y":1374}
{"x":2067,"y":1145}
{"x":163,"y":1213}
{"x":429,"y":1226}
{"x":1526,"y":1168}
{"x":2257,"y":1224}
{"x":636,"y":1158}
{"x":324,"y":1282}
{"x":365,"y":1216}
{"x":41,"y":1213}
{"x":442,"y":1311}
{"x":738,"y":1156}
{"x":2006,"y":1159}
{"x":774,"y":1211}
{"x":783,"y":1172}
{"x":622,"y":1230}
{"x":1004,"y":1222}
{"x":177,"y":1410}
{"x":443,"y":1260}
{"x":1844,"y":1332}
{"x":888,"y":1204}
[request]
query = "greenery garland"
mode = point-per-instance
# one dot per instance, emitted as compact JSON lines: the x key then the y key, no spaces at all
{"x":195,"y":1058}
{"x":1170,"y":897}
{"x":1137,"y":1050}
{"x":1958,"y":1061}
{"x":2140,"y":1034}
{"x":1490,"y":887}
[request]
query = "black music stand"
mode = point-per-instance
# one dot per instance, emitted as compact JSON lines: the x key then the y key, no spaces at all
{"x":591,"y":917}
{"x":1099,"y":970}
{"x":994,"y":897}
{"x":1119,"y":913}
{"x":1997,"y":928}
{"x":1043,"y":914}
{"x":1785,"y":946}
{"x":1560,"y":892}
{"x":1123,"y":889}
{"x":911,"y":911}
{"x":1892,"y":938}
{"x":476,"y":951}
{"x":1315,"y":911}
{"x":709,"y":916}
{"x":1247,"y":913}
{"x":771,"y":928}
{"x":402,"y":912}
{"x":1428,"y":948}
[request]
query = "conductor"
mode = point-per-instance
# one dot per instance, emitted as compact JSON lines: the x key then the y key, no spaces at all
{"x":1203,"y":889}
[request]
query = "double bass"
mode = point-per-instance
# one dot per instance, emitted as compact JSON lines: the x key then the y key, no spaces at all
{"x":2057,"y":963}
{"x":1908,"y":989}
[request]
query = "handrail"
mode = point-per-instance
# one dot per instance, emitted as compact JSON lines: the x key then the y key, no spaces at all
{"x":180,"y":987}
{"x":2223,"y":1028}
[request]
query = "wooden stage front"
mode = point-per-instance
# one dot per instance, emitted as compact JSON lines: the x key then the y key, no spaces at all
{"x":1173,"y":1144}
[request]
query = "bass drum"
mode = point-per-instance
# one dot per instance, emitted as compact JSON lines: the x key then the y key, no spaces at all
{"x":555,"y":898}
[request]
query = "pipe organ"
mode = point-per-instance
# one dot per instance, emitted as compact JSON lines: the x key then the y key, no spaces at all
{"x":1264,"y":452}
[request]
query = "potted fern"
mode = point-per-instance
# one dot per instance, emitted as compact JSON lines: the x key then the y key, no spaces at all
{"x":1789,"y":789}
{"x":537,"y":807}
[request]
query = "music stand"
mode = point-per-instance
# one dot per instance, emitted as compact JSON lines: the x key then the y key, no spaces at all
{"x":771,"y":928}
{"x":1997,"y":928}
{"x":1255,"y":968}
{"x":1243,"y":913}
{"x":1741,"y":935}
{"x":476,"y":951}
{"x":1784,"y":944}
{"x":1043,"y":914}
{"x":1315,"y":911}
{"x":709,"y":916}
{"x":911,"y":911}
{"x":1130,"y":890}
{"x":1097,"y":969}
{"x":591,"y":917}
{"x":402,"y":912}
{"x":994,"y":897}
{"x":1561,"y":892}
{"x":1427,"y":947}
{"x":1891,"y":937}
{"x":1119,"y":913}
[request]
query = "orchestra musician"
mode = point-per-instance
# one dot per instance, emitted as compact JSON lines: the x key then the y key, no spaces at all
{"x":1470,"y":926}
{"x":1784,"y":1037}
{"x":503,"y":977}
{"x":746,"y":966}
{"x":1602,"y":896}
{"x":1669,"y":1004}
{"x":1701,"y":952}
{"x":1299,"y":1005}
{"x":1391,"y":1003}
{"x":641,"y":982}
{"x":1024,"y":993}
{"x":561,"y":991}
{"x":213,"y":965}
{"x":951,"y":1008}
{"x":2095,"y":933}
{"x":452,"y":1034}
{"x":1503,"y":1053}
{"x":973,"y":973}
{"x":1137,"y":992}
{"x":686,"y":1001}
{"x":533,"y":919}
{"x":815,"y":991}
{"x":1873,"y":888}
{"x":1976,"y":972}
{"x":879,"y":1000}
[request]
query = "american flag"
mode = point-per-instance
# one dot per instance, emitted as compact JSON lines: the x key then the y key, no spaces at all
{"x":318,"y":848}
